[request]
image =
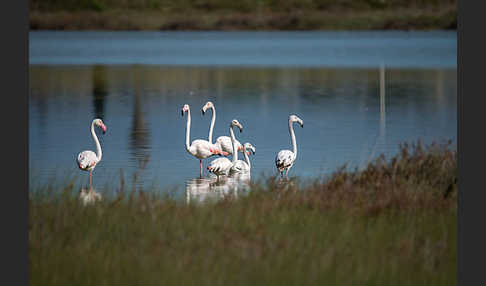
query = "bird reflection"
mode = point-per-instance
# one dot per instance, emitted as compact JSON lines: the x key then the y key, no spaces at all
{"x":200,"y":190}
{"x":140,"y":134}
{"x":100,"y":90}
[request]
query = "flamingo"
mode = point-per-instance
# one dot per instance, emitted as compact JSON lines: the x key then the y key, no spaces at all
{"x":240,"y":166}
{"x":223,"y":142}
{"x":222,"y":166}
{"x":87,"y":160}
{"x":199,"y":148}
{"x":285,"y":158}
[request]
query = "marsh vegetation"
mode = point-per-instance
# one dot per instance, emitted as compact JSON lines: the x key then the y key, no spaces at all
{"x":242,"y":15}
{"x":393,"y":223}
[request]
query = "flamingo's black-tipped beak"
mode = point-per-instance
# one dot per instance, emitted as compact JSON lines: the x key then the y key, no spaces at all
{"x":241,"y":129}
{"x":302,"y":125}
{"x":202,"y":112}
{"x":182,"y":112}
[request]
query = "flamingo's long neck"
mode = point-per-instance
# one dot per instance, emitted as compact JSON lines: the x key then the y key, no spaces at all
{"x":98,"y":146}
{"x":246,"y":157}
{"x":188,"y":129}
{"x":213,"y":119}
{"x":233,"y":139}
{"x":292,"y":135}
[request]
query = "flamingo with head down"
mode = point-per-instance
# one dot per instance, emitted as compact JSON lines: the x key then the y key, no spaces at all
{"x":285,"y":158}
{"x":223,"y":142}
{"x":87,"y":160}
{"x":199,"y":148}
{"x":222,"y":166}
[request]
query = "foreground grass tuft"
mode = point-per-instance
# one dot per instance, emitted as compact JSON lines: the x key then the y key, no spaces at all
{"x":393,"y":223}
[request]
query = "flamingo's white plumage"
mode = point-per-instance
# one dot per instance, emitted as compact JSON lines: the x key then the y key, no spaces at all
{"x":240,"y":166}
{"x":222,"y":166}
{"x":199,"y":148}
{"x":223,"y":142}
{"x":87,"y":160}
{"x":285,"y":158}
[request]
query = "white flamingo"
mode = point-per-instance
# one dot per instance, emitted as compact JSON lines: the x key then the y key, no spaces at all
{"x":285,"y":158}
{"x":240,"y":166}
{"x":222,"y":166}
{"x":199,"y":148}
{"x":223,"y":142}
{"x":87,"y":160}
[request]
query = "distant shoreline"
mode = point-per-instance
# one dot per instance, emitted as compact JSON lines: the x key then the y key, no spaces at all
{"x":444,"y":18}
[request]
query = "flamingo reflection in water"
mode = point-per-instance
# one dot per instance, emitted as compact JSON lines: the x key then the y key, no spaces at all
{"x":200,"y":190}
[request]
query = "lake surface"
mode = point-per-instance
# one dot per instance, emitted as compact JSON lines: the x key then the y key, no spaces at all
{"x":360,"y":94}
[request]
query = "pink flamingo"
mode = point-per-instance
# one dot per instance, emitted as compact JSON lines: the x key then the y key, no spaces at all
{"x":87,"y":160}
{"x":199,"y":148}
{"x":223,"y":142}
{"x":222,"y":166}
{"x":285,"y":158}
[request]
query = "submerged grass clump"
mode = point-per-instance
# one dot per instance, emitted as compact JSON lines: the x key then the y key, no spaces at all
{"x":394,"y":223}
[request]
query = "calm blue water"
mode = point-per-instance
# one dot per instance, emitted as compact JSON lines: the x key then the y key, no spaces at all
{"x":137,"y":82}
{"x":280,"y":49}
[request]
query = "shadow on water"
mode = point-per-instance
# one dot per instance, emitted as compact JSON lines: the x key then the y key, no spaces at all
{"x":100,"y":90}
{"x":200,"y":190}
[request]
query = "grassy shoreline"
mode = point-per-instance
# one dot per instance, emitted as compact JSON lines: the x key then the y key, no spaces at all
{"x":441,"y":17}
{"x":394,"y":223}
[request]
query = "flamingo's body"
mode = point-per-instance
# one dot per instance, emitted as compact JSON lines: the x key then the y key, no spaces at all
{"x":222,"y":142}
{"x":222,"y":166}
{"x":87,"y":160}
{"x":199,"y":148}
{"x":285,"y":158}
{"x":240,"y":166}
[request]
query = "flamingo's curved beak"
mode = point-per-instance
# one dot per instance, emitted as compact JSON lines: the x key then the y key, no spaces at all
{"x":203,"y":111}
{"x":103,"y":127}
{"x":182,"y":112}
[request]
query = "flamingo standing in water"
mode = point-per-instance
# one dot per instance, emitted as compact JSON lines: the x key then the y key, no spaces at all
{"x":285,"y":158}
{"x":87,"y":160}
{"x":199,"y":148}
{"x":223,"y":142}
{"x":222,"y":166}
{"x":240,"y":166}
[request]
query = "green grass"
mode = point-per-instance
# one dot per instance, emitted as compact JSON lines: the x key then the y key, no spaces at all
{"x":394,"y":223}
{"x":242,"y":15}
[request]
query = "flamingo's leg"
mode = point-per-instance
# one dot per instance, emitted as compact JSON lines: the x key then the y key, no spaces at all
{"x":287,"y":174}
{"x":91,"y":179}
{"x":200,"y":166}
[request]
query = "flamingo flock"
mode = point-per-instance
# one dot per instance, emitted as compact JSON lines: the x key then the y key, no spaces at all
{"x":202,"y":149}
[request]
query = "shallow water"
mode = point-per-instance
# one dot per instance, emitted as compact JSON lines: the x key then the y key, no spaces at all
{"x":137,"y":83}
